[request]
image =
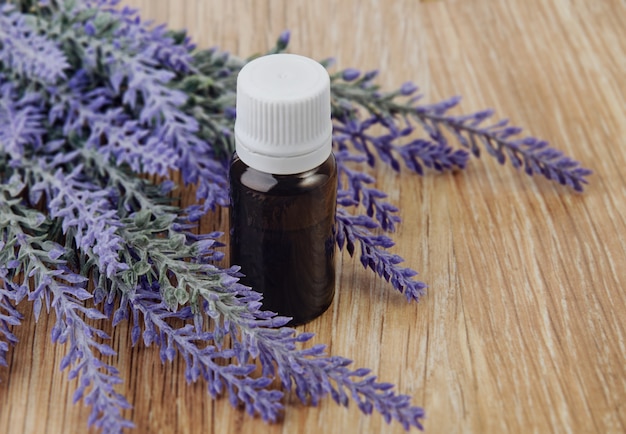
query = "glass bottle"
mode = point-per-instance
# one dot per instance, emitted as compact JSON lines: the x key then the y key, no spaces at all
{"x":283,"y":183}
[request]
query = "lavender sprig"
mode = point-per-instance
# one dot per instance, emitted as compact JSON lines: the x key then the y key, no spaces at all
{"x":357,"y":229}
{"x":200,"y":362}
{"x":502,"y":141}
{"x":34,"y":257}
{"x":351,"y":229}
{"x":122,"y":67}
{"x":234,"y":311}
{"x":97,"y":379}
{"x":82,"y":206}
{"x":9,"y":317}
{"x":356,"y":189}
{"x":315,"y":375}
{"x":499,"y":139}
{"x":21,"y":117}
{"x":388,"y":145}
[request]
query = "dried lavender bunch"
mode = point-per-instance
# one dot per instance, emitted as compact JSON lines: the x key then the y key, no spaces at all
{"x":136,"y":264}
{"x":91,"y":97}
{"x":147,"y":289}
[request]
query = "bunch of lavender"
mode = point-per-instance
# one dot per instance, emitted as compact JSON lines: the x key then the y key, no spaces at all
{"x":91,"y":100}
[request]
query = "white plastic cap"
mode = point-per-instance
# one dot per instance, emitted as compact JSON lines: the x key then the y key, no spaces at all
{"x":283,"y":123}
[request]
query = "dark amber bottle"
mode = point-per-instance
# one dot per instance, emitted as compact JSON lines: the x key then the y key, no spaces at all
{"x":283,"y":183}
{"x":282,"y":236}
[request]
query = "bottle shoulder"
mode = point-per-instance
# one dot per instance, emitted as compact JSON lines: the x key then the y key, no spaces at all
{"x":245,"y":176}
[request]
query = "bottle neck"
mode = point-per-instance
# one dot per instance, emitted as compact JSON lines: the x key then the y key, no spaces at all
{"x":284,"y":164}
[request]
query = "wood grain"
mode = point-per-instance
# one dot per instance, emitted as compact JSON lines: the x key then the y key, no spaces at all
{"x":523,"y":326}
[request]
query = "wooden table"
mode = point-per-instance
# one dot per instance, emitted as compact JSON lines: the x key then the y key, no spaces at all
{"x":523,"y":328}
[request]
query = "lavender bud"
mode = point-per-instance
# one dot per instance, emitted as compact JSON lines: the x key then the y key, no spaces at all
{"x":350,"y":74}
{"x":283,"y":39}
{"x":370,"y":75}
{"x":328,"y":62}
{"x":408,"y":88}
{"x":230,"y":112}
{"x":167,"y":186}
{"x":89,"y":28}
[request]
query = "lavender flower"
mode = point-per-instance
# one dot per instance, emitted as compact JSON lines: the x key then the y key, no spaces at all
{"x":314,"y":374}
{"x":83,"y":207}
{"x":9,"y":316}
{"x":500,"y":141}
{"x":355,"y":190}
{"x":357,"y":229}
{"x":281,"y":43}
{"x":241,"y":387}
{"x":159,"y":110}
{"x":234,"y":311}
{"x":29,"y":55}
{"x":21,"y":118}
{"x":350,"y":74}
{"x":388,"y":110}
{"x":116,"y":135}
{"x":408,"y":88}
{"x":353,"y":134}
{"x":55,"y":285}
{"x":353,"y":144}
{"x":100,"y":377}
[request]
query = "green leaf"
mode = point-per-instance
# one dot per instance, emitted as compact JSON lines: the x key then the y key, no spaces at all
{"x":48,"y":245}
{"x":163,"y":222}
{"x":142,"y":218}
{"x":141,"y":268}
{"x":141,"y":241}
{"x":182,"y":296}
{"x":34,"y":219}
{"x":169,"y":295}
{"x":129,"y":277}
{"x":177,"y":35}
{"x":176,"y":242}
{"x":15,"y":185}
{"x":70,"y":5}
{"x":85,"y":15}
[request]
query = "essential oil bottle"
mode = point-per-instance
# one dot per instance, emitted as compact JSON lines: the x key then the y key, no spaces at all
{"x":283,"y":183}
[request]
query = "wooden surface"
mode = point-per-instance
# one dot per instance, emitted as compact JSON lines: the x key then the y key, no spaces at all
{"x":523,"y":328}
